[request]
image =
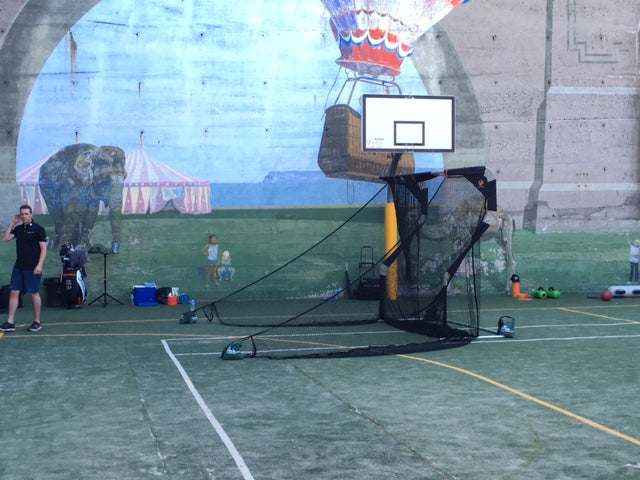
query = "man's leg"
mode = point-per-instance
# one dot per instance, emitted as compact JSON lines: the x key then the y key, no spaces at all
{"x":33,"y":288}
{"x":37,"y":306}
{"x":14,"y":299}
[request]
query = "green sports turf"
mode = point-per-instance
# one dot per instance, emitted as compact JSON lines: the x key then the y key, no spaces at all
{"x":128,"y":392}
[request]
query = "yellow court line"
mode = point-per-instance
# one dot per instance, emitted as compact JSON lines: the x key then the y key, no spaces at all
{"x":111,"y":322}
{"x":617,"y":319}
{"x":17,"y":327}
{"x":130,"y":334}
{"x":77,"y":323}
{"x":548,"y":405}
{"x":556,"y":307}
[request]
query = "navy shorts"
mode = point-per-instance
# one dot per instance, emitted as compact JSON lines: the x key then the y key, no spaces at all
{"x":25,"y":280}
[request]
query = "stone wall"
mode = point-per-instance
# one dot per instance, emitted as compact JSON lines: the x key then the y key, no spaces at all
{"x":29,"y":31}
{"x":558,"y":87}
{"x":554,"y":91}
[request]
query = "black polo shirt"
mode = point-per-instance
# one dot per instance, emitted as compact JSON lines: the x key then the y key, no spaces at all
{"x":28,"y":238}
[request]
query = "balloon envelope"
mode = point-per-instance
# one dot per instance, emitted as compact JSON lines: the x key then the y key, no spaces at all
{"x":375,"y":36}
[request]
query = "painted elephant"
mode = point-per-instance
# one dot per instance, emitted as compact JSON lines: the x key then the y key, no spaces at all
{"x":73,"y":181}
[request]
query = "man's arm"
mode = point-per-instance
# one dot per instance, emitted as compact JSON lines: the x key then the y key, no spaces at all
{"x":43,"y":255}
{"x":8,"y":236}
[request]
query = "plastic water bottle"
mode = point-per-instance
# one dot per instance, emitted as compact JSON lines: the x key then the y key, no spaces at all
{"x":193,"y":304}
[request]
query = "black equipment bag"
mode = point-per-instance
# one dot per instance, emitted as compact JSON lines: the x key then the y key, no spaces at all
{"x":74,"y":290}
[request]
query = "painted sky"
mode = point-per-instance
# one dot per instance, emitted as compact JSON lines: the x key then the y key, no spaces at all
{"x":225,"y":91}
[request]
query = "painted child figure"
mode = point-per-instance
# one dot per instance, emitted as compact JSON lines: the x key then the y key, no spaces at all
{"x":225,"y":269}
{"x":210,"y":251}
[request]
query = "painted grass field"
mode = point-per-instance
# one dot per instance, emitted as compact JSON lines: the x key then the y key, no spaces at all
{"x":165,"y":248}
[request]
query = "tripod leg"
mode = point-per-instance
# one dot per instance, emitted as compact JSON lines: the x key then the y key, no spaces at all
{"x":105,"y":297}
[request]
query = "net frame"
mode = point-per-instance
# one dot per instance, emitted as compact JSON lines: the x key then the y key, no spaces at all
{"x":466,"y":206}
{"x":438,"y":311}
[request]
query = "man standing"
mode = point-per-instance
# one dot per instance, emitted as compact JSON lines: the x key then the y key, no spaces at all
{"x":31,"y":250}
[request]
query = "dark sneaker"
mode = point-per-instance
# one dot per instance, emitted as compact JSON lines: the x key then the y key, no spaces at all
{"x":35,"y":326}
{"x":7,"y":327}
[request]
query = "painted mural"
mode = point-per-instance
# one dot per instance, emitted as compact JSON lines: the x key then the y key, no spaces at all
{"x":230,"y":99}
{"x":375,"y":37}
{"x":73,"y":184}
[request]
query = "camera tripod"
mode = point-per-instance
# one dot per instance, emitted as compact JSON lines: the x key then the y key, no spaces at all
{"x":105,"y":297}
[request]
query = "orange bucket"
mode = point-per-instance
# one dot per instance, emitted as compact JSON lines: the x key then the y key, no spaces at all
{"x":172,"y":300}
{"x":515,"y":289}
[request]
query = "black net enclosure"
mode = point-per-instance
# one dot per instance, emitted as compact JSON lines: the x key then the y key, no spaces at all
{"x":421,"y":294}
{"x":431,"y":286}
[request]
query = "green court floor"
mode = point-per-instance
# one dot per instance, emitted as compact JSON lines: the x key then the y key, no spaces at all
{"x":125,"y":392}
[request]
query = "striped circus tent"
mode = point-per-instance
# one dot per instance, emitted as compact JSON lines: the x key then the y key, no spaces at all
{"x":28,"y":181}
{"x":150,"y":186}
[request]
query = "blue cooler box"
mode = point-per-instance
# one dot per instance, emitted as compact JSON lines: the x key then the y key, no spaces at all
{"x":144,"y":296}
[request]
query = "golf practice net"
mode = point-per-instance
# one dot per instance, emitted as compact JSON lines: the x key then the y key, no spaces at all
{"x":426,"y":293}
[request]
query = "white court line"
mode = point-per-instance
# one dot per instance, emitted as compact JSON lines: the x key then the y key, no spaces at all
{"x":553,"y":339}
{"x":479,"y":340}
{"x":379,"y":332}
{"x":246,"y":474}
{"x":620,"y":324}
{"x":305,"y":349}
{"x":384,"y":332}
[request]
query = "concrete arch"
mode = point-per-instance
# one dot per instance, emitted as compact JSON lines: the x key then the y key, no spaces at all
{"x":30,"y":29}
{"x":35,"y":27}
{"x":437,"y":62}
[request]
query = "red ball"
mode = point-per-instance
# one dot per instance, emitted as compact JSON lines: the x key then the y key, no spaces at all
{"x":606,"y":296}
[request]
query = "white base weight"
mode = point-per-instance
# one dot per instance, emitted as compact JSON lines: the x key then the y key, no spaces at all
{"x":625,"y":290}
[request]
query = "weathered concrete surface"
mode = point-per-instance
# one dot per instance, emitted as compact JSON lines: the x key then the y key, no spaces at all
{"x":29,"y":31}
{"x":590,"y":174}
{"x":550,"y":90}
{"x":558,"y":85}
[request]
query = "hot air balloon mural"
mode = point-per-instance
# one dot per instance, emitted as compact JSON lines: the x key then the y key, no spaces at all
{"x":375,"y":36}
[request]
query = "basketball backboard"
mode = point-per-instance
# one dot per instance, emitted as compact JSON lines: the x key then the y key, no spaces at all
{"x":417,"y":123}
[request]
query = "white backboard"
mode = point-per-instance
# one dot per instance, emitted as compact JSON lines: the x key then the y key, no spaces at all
{"x":418,"y":123}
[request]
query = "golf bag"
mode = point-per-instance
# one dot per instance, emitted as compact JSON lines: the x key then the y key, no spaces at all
{"x":74,"y":289}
